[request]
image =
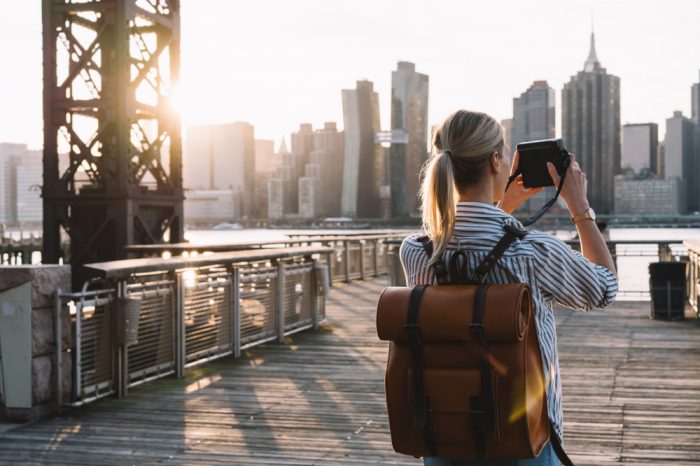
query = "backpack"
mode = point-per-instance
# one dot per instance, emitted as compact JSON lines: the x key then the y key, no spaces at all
{"x":464,"y":377}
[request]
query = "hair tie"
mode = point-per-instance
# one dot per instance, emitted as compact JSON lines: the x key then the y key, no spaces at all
{"x":447,"y":153}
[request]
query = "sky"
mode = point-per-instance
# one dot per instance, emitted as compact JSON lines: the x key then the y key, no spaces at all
{"x":278,"y":63}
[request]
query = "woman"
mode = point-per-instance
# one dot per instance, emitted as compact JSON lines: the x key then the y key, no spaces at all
{"x":466,"y":175}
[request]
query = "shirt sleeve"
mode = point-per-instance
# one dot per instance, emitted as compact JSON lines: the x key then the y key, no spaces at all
{"x":415,"y":262}
{"x":569,"y":278}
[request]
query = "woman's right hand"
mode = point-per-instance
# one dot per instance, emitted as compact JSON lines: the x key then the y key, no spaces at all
{"x":575,"y":185}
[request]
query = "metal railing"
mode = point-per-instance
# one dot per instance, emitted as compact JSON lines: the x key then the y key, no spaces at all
{"x":151,"y":318}
{"x":694,"y":275}
{"x":630,"y":257}
{"x":353,"y":256}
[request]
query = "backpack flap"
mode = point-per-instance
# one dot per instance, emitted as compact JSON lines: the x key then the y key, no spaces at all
{"x":438,"y":322}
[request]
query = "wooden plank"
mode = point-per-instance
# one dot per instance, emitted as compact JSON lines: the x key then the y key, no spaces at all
{"x":631,"y":389}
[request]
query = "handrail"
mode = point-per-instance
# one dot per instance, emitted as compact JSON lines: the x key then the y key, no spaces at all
{"x":235,"y":246}
{"x":124,"y":268}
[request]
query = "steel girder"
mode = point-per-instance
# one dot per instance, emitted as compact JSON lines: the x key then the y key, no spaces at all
{"x":112,"y":142}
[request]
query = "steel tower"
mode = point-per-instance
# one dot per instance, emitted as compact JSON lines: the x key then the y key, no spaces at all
{"x":112,"y":143}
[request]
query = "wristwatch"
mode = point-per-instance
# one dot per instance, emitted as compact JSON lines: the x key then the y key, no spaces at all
{"x":587,"y":214}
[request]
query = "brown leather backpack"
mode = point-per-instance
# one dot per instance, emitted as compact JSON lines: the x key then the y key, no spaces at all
{"x":464,"y":378}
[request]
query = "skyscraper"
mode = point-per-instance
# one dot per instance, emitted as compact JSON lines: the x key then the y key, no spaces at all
{"x":681,"y":147}
{"x":362,"y":166}
{"x":302,"y":145}
{"x":695,"y":102}
{"x":409,"y":113}
{"x":591,"y":127}
{"x":640,"y":147}
{"x":328,"y":154}
{"x":222,"y":157}
{"x":533,"y":119}
{"x":533,"y":114}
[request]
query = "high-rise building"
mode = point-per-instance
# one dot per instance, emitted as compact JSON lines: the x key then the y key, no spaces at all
{"x":695,"y":102}
{"x":591,"y":127}
{"x":264,"y":156}
{"x":409,"y":113}
{"x":507,"y":124}
{"x":681,"y":156}
{"x":328,"y":153}
{"x":533,"y":114}
{"x":9,"y":154}
{"x":640,"y":148}
{"x":362,"y":165}
{"x":649,"y":195}
{"x":221,"y":157}
{"x":29,"y":170}
{"x":533,"y":119}
{"x":302,"y":145}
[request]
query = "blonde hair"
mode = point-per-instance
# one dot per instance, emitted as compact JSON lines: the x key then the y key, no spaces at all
{"x":462,"y":147}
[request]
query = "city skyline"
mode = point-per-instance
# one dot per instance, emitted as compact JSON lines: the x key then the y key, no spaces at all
{"x":267,"y":81}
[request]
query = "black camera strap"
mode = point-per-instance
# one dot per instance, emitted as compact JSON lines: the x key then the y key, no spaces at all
{"x":551,"y":202}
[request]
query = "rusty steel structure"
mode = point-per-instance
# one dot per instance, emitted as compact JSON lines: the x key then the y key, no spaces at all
{"x":112,"y":141}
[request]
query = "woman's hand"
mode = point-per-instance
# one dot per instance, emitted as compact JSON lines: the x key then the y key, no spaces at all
{"x":516,"y":193}
{"x":574,"y":190}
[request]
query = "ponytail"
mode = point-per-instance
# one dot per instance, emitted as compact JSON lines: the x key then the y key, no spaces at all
{"x":462,"y":147}
{"x":439,"y":202}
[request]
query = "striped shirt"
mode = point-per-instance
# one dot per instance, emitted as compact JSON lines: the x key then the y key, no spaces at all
{"x":554,"y":271}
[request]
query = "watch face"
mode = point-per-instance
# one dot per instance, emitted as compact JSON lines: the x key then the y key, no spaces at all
{"x":591,"y":212}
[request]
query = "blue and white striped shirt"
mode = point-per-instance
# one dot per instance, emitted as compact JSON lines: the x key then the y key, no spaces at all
{"x":554,"y":271}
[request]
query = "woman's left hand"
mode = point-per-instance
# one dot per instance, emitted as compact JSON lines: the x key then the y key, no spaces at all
{"x":516,"y":193}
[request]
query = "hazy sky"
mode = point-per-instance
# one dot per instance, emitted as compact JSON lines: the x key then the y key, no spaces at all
{"x":277,"y":63}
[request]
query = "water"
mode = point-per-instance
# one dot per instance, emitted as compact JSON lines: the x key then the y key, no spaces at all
{"x":632,"y":269}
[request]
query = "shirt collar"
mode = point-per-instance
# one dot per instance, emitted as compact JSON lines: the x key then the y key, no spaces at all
{"x":475,"y":213}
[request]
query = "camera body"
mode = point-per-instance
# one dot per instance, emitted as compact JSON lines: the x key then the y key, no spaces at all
{"x":534,"y":156}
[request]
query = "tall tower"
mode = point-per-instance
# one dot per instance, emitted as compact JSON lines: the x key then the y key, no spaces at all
{"x":409,"y":113}
{"x":362,"y":165}
{"x":533,"y":114}
{"x":695,"y":102}
{"x":591,"y":127}
{"x":109,"y":70}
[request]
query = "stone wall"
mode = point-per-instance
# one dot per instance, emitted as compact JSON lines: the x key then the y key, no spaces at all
{"x":44,"y":279}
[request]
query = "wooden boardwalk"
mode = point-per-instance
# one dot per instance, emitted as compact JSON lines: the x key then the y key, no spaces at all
{"x":631,"y":395}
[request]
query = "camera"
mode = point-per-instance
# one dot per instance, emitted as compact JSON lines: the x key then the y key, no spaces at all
{"x":534,"y":156}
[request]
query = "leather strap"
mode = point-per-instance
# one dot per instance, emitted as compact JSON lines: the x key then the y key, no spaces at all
{"x":457,"y":270}
{"x":551,"y":202}
{"x":558,"y":448}
{"x":421,"y":404}
{"x":439,"y":268}
{"x":512,"y":233}
{"x":476,"y":416}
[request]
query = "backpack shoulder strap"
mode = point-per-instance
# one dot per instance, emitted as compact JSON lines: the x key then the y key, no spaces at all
{"x":512,"y":233}
{"x":438,"y":267}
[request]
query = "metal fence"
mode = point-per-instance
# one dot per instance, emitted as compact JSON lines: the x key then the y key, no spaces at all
{"x":149,"y":324}
{"x":631,"y":258}
{"x":694,"y":275}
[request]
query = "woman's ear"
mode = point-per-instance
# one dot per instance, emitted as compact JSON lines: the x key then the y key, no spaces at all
{"x":496,"y":163}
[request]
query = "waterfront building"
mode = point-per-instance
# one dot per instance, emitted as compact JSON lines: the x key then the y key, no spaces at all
{"x":507,"y":124}
{"x":210,"y":206}
{"x":409,"y":113}
{"x":275,"y":199}
{"x":635,"y":195}
{"x":222,"y":157}
{"x":265,"y":156}
{"x":362,"y":165}
{"x":328,"y":153}
{"x":591,"y":127}
{"x":9,"y":154}
{"x":534,"y":119}
{"x":533,"y":114}
{"x":695,"y":101}
{"x":28,"y":180}
{"x":302,"y":145}
{"x":640,"y":148}
{"x":682,"y":156}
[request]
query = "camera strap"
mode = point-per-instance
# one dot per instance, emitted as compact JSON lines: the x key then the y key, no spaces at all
{"x":551,"y":202}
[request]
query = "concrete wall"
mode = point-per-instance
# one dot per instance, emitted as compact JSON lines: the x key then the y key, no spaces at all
{"x":44,"y":280}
